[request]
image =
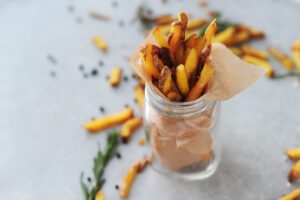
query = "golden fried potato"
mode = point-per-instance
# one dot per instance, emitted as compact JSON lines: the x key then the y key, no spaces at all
{"x":190,"y":41}
{"x":182,"y":80}
{"x":165,"y":80}
{"x":285,"y":61}
{"x":180,"y":54}
{"x":205,"y":76}
{"x":183,"y":18}
{"x":224,"y":36}
{"x":164,"y":19}
{"x":236,"y":51}
{"x":238,"y":38}
{"x":296,"y":58}
{"x":261,"y":63}
{"x":291,"y":196}
{"x":210,"y":33}
{"x":129,"y":126}
{"x":195,"y":24}
{"x":293,"y":153}
{"x":99,"y":195}
{"x":109,"y":121}
{"x":115,"y":76}
{"x":191,"y":62}
{"x":248,"y":50}
{"x":160,"y":38}
{"x":295,"y":172}
{"x":148,"y":61}
{"x":100,"y":43}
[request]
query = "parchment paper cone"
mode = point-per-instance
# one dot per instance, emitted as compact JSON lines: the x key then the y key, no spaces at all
{"x":181,"y":142}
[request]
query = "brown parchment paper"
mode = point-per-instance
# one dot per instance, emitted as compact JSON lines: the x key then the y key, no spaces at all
{"x":180,"y":142}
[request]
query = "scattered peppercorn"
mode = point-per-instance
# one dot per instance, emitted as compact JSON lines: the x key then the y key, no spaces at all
{"x":81,"y":67}
{"x":133,"y":76}
{"x":89,"y":179}
{"x":102,"y":109}
{"x":117,"y":187}
{"x":124,"y":140}
{"x":93,"y":118}
{"x":114,"y":4}
{"x":126,"y":105}
{"x":78,"y":20}
{"x":52,"y":59}
{"x":107,"y":77}
{"x":118,"y":155}
{"x":71,"y":8}
{"x":85,"y":75}
{"x":135,"y":100}
{"x":94,"y":72}
{"x":121,"y":23}
{"x":101,"y":63}
{"x":125,"y":78}
{"x":53,"y":74}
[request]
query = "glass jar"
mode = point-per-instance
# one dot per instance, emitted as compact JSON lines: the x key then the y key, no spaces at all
{"x":183,"y":136}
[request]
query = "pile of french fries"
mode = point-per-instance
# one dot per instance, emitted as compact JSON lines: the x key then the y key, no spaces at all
{"x":179,"y":66}
{"x":294,"y":174}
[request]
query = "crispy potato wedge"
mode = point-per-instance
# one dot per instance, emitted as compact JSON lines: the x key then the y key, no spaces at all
{"x":164,"y":19}
{"x":190,"y":41}
{"x":224,"y":36}
{"x":109,"y":121}
{"x":139,"y":95}
{"x":183,"y":18}
{"x":182,"y":80}
{"x":293,"y":153}
{"x":281,"y":57}
{"x":295,"y":172}
{"x":129,"y":127}
{"x":115,"y":76}
{"x":248,"y":50}
{"x":210,"y":33}
{"x":176,"y":36}
{"x":191,"y":62}
{"x":236,"y":51}
{"x":205,"y":76}
{"x":165,"y":80}
{"x":100,"y":43}
{"x":291,"y":196}
{"x":261,"y":63}
{"x":148,"y":61}
{"x":160,"y":38}
{"x":195,"y":24}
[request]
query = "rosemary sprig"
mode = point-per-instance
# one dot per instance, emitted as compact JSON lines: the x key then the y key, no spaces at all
{"x":100,"y":163}
{"x":287,"y":74}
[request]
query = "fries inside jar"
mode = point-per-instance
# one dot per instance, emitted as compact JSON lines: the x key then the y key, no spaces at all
{"x":180,"y":73}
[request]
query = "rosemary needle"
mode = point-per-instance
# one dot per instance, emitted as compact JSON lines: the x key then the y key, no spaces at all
{"x":288,"y":74}
{"x":100,"y":163}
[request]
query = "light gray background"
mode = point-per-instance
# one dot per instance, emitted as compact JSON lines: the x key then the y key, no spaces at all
{"x":43,"y":147}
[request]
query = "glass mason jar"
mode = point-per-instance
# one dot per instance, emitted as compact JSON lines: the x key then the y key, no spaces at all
{"x":183,"y":136}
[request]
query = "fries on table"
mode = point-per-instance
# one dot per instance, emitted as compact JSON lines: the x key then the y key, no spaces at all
{"x":195,"y":24}
{"x":291,"y":196}
{"x":109,"y":121}
{"x":100,"y":43}
{"x":285,"y":61}
{"x":295,"y":172}
{"x":248,"y":50}
{"x":293,"y":153}
{"x":129,"y":127}
{"x":115,"y":76}
{"x":130,"y":175}
{"x":261,"y":63}
{"x":100,"y":196}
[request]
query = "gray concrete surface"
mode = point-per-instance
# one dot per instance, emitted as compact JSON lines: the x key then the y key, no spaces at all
{"x":43,"y":147}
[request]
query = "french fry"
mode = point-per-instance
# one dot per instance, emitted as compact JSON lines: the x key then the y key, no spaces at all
{"x":205,"y":76}
{"x":285,"y":61}
{"x":109,"y":121}
{"x":173,"y":96}
{"x":165,"y":29}
{"x":210,"y":32}
{"x":100,"y":195}
{"x":139,"y":95}
{"x":195,"y":24}
{"x":166,"y":57}
{"x":295,"y":172}
{"x":261,"y":63}
{"x":160,"y":37}
{"x":238,"y":38}
{"x":128,"y":181}
{"x":158,"y":63}
{"x":248,"y":50}
{"x":190,"y":41}
{"x":256,"y":34}
{"x":129,"y":127}
{"x":148,"y":61}
{"x":130,"y":175}
{"x":164,"y":19}
{"x":183,"y":18}
{"x":188,"y":33}
{"x":100,"y":43}
{"x":224,"y":36}
{"x":165,"y":80}
{"x":236,"y":51}
{"x":191,"y":62}
{"x":175,"y":37}
{"x":296,"y":54}
{"x":291,"y":196}
{"x":293,"y":153}
{"x":182,"y":80}
{"x":199,"y":44}
{"x":180,"y":54}
{"x":115,"y":76}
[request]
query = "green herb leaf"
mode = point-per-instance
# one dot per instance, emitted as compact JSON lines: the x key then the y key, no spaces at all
{"x":84,"y":187}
